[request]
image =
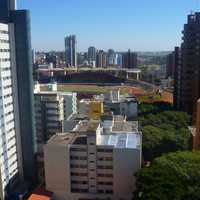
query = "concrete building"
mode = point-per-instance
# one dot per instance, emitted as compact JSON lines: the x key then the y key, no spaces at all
{"x":187,"y":70}
{"x":119,"y":60}
{"x":17,"y":113}
{"x":71,"y":51}
{"x":51,"y":109}
{"x":91,"y":54}
{"x":121,"y":105}
{"x":170,"y":68}
{"x":91,"y":108}
{"x":129,"y":60}
{"x":111,"y":58}
{"x":95,"y":161}
{"x":101,"y":59}
{"x":8,"y":138}
{"x":177,"y":78}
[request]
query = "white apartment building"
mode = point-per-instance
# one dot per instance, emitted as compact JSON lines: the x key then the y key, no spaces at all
{"x":120,"y":104}
{"x":90,"y":163}
{"x":9,"y":167}
{"x":51,"y":109}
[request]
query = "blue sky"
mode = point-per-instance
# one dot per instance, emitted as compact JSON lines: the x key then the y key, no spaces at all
{"x":141,"y":25}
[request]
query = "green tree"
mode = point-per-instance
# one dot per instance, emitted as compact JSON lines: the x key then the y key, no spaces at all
{"x":173,"y":176}
{"x":165,"y":132}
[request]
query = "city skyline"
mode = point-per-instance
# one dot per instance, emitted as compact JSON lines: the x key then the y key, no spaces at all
{"x":129,"y":29}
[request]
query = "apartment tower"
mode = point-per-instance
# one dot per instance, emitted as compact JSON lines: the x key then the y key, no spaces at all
{"x":129,"y":60}
{"x":16,"y":98}
{"x":187,"y":91}
{"x":71,"y":51}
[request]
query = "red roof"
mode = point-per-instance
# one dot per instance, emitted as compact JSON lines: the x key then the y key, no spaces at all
{"x":40,"y":194}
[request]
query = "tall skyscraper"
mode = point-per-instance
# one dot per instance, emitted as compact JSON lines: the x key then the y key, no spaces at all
{"x":130,"y":60}
{"x":189,"y":70}
{"x":16,"y":98}
{"x":71,"y":50}
{"x":91,"y":54}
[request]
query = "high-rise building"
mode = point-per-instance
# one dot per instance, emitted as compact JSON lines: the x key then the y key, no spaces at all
{"x":112,"y":59}
{"x":16,"y":98}
{"x":101,"y":59}
{"x":9,"y":159}
{"x":187,"y":88}
{"x":91,"y":54}
{"x":96,"y":160}
{"x":119,"y":59}
{"x":177,"y":78}
{"x":51,"y":109}
{"x":170,"y":68}
{"x":129,"y":60}
{"x":71,"y":50}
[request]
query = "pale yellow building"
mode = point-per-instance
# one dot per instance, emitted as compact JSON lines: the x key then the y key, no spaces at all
{"x":96,"y":110}
{"x":92,"y":164}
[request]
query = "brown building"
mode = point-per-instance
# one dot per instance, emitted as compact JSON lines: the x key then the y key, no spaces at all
{"x":101,"y":59}
{"x":170,"y":64}
{"x":177,"y":78}
{"x":188,"y":75}
{"x":196,"y":138}
{"x":129,"y":60}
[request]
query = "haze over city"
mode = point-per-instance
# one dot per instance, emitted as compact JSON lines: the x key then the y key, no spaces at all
{"x":139,"y":25}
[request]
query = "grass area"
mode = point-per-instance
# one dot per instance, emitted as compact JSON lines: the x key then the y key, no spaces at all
{"x":89,"y":89}
{"x":83,"y":88}
{"x":149,"y":98}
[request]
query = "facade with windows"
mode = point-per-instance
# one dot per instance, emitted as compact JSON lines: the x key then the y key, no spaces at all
{"x":71,"y":51}
{"x":51,"y":109}
{"x":9,"y":167}
{"x":16,"y":99}
{"x":90,"y":163}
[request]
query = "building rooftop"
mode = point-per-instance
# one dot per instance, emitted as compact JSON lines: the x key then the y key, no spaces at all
{"x":40,"y":194}
{"x":123,"y":134}
{"x":125,"y":126}
{"x":86,"y":126}
{"x":62,"y":139}
{"x":54,"y":93}
{"x":121,"y":141}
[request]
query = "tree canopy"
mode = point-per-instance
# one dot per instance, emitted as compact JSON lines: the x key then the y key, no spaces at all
{"x":165,"y":132}
{"x":173,"y":176}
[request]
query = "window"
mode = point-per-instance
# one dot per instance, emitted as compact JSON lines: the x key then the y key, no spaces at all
{"x":109,"y":192}
{"x":78,"y":166}
{"x":79,"y":190}
{"x":79,"y":174}
{"x":105,"y":175}
{"x":104,"y":167}
{"x":105,"y":150}
{"x":105,"y":183}
{"x":79,"y":182}
{"x":78,"y":149}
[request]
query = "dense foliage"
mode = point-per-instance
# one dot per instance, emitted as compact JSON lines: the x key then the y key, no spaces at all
{"x":174,"y":176}
{"x":156,"y":107}
{"x":164,"y":132}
